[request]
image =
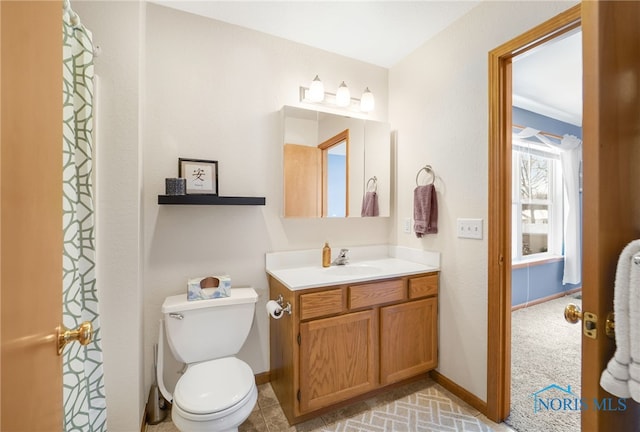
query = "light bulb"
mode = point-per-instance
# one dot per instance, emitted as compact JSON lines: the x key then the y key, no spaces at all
{"x":367,"y":102}
{"x":316,"y":90}
{"x":343,"y":97}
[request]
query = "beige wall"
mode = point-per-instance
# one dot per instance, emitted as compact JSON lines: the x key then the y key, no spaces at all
{"x":116,"y":30}
{"x":439,"y":103}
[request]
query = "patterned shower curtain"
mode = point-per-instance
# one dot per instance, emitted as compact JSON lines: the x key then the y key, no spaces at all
{"x":83,"y":379}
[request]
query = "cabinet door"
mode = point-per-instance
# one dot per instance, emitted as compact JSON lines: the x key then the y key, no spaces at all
{"x":408,"y":339}
{"x":337,"y":359}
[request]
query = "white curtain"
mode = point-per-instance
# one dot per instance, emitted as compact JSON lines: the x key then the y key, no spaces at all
{"x":570,"y":159}
{"x":83,"y":378}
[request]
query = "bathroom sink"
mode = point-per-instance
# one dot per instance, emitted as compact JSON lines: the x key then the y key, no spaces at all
{"x":353,"y":270}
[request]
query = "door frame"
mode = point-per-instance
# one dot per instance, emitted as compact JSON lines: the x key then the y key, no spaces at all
{"x":611,"y":216}
{"x":499,"y":221}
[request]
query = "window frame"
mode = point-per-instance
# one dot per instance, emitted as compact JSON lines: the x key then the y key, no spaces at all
{"x":555,"y":238}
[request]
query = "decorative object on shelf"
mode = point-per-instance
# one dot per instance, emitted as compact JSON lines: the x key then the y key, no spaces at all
{"x":342,"y":99}
{"x":201,"y":176}
{"x":175,"y":186}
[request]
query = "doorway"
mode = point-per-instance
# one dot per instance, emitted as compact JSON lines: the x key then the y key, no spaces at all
{"x":500,"y":202}
{"x":610,"y":219}
{"x":546,"y":215}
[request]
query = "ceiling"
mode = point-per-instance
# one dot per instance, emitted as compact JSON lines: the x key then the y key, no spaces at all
{"x":376,"y":32}
{"x":546,"y":80}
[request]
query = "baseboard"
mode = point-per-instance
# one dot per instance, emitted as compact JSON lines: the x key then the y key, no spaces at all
{"x":459,"y":391}
{"x":546,"y":299}
{"x":263,"y":378}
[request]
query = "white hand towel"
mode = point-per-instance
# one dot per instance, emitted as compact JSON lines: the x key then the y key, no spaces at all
{"x":634,"y":327}
{"x":616,"y":378}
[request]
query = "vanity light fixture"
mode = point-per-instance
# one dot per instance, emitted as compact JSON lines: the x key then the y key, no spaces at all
{"x":316,"y":90}
{"x":341,"y":99}
{"x":367,"y":102}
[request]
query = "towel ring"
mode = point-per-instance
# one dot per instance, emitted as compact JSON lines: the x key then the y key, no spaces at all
{"x":373,"y":179}
{"x":428,"y":170}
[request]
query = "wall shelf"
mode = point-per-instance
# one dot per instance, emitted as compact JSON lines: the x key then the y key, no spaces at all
{"x":209,"y":200}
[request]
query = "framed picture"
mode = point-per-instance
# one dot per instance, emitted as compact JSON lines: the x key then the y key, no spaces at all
{"x":201,"y":175}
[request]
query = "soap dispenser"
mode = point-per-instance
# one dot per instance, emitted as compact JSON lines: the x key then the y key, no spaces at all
{"x":326,"y":255}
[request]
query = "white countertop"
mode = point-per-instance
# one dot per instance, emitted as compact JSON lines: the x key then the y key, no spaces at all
{"x":296,"y":272}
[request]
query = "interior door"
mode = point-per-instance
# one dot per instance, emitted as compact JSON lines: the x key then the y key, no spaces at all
{"x":30,"y":215}
{"x":611,"y":132}
{"x":302,"y":187}
{"x":611,"y":215}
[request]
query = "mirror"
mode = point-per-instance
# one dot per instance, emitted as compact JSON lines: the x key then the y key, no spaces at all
{"x":331,"y":161}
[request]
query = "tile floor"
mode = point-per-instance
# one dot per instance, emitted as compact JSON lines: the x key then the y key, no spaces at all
{"x":420,"y":406}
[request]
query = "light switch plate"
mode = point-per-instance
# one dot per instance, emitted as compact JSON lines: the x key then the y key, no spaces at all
{"x":407,"y":226}
{"x":470,"y":228}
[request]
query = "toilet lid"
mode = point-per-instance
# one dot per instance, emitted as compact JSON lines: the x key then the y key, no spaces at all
{"x":213,"y":386}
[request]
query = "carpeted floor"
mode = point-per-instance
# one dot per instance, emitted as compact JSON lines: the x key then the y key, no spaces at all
{"x":545,"y":350}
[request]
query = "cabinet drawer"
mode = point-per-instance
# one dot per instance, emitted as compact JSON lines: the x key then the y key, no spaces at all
{"x":321,"y":303}
{"x":423,"y":286}
{"x":376,"y":293}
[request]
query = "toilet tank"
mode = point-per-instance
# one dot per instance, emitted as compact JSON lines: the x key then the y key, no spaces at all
{"x":200,"y":330}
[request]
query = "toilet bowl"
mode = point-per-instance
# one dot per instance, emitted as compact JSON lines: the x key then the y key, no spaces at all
{"x":196,"y":407}
{"x":217,"y":392}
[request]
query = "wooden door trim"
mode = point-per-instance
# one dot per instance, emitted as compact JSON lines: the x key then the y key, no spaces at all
{"x":499,"y":230}
{"x":325,"y":146}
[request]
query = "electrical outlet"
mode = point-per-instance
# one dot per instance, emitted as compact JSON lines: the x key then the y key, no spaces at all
{"x":407,"y":226}
{"x":470,"y":228}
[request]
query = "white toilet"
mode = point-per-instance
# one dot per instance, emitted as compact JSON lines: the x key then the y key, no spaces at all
{"x":217,"y":391}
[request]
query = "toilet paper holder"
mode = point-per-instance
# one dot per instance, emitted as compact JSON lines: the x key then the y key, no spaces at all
{"x":280,"y":301}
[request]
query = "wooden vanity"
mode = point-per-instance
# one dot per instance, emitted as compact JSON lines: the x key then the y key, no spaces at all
{"x":346,"y":341}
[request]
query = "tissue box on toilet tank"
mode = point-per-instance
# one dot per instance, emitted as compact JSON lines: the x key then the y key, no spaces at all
{"x":208,"y":287}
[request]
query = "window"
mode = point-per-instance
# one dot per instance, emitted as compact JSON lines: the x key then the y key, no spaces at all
{"x":537,"y":214}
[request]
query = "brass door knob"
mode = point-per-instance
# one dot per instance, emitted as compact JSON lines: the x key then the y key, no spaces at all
{"x":83,"y":334}
{"x":572,"y":313}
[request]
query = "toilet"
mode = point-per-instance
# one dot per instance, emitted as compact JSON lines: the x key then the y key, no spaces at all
{"x":217,"y":392}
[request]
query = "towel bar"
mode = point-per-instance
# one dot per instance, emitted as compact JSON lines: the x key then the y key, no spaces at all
{"x":428,"y":170}
{"x":373,"y":179}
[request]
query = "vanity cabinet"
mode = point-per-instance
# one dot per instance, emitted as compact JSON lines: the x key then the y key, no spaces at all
{"x":408,"y":339}
{"x":344,"y":342}
{"x":337,"y":359}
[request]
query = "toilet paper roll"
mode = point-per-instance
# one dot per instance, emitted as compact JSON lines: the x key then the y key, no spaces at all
{"x":274,"y":309}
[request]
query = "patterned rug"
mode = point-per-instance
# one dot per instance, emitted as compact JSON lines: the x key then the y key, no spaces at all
{"x":426,"y":410}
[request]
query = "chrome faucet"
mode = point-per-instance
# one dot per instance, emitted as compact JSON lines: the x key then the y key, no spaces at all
{"x":342,"y":258}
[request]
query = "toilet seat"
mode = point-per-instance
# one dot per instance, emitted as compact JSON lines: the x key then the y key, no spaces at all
{"x":214,"y":388}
